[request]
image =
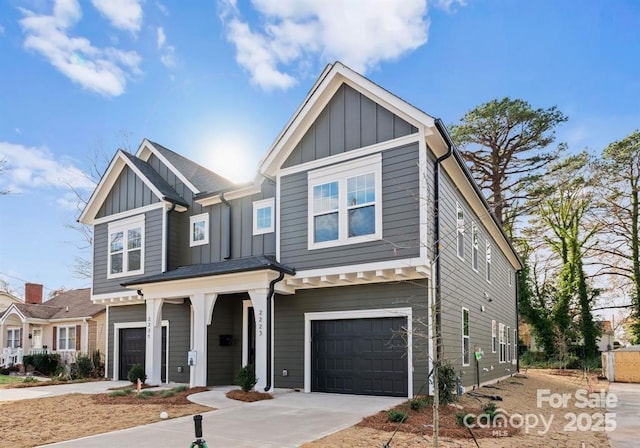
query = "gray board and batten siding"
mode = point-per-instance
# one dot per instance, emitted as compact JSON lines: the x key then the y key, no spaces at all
{"x":289,"y":322}
{"x":400,"y":217}
{"x":128,"y":193}
{"x":349,"y":121}
{"x":462,"y":286}
{"x":179,"y":317}
{"x":152,"y":253}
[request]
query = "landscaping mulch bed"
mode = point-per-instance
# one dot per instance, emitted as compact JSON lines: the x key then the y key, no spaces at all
{"x":248,"y":397}
{"x":421,"y":422}
{"x":165,"y":397}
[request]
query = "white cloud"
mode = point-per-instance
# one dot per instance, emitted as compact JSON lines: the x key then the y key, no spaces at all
{"x":449,"y":5}
{"x":289,"y":35}
{"x":102,"y":70}
{"x":167,"y":52}
{"x":1,"y":29}
{"x":163,"y":9}
{"x":123,"y":14}
{"x":28,"y":168}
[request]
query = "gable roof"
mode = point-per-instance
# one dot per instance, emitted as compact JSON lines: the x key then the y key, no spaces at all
{"x":198,"y":178}
{"x":72,"y":304}
{"x":143,"y":170}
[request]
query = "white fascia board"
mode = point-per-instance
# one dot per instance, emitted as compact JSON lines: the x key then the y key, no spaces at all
{"x":320,"y":97}
{"x":365,"y":267}
{"x":230,"y":195}
{"x":12,"y":310}
{"x":150,"y":149}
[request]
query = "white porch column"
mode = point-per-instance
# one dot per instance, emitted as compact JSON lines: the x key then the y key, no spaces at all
{"x":3,"y":337}
{"x":26,"y":342}
{"x":153,"y":349}
{"x":259,"y":301}
{"x":202,"y":313}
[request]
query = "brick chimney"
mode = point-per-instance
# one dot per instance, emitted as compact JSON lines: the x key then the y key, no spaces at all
{"x":32,"y":293}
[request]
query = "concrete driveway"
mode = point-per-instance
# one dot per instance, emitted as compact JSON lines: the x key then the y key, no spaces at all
{"x":289,"y":420}
{"x":627,"y":417}
{"x":92,"y":387}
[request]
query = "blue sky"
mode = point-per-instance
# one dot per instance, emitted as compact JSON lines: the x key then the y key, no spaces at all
{"x":217,"y":80}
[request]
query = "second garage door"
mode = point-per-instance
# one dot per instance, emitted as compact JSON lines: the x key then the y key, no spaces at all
{"x":359,"y":356}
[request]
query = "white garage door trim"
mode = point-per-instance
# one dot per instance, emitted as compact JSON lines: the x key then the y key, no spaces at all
{"x":358,"y":314}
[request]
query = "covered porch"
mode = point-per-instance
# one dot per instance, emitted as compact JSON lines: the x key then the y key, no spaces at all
{"x":20,"y":335}
{"x":248,"y":282}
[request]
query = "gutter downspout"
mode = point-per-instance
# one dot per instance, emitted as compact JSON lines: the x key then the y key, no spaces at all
{"x":229,"y":235}
{"x":436,"y":230}
{"x":272,"y":286}
{"x":166,"y":238}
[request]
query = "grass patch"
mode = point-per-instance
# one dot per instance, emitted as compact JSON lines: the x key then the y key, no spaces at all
{"x":119,"y":393}
{"x":179,"y":389}
{"x":9,"y":379}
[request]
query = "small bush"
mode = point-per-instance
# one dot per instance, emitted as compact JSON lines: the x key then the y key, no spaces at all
{"x":147,"y":394}
{"x":119,"y":393}
{"x":4,"y":371}
{"x":418,"y":403}
{"x":136,"y":371}
{"x":168,"y":393}
{"x":397,"y":416}
{"x":446,"y":383}
{"x":84,"y":363}
{"x":13,"y":368}
{"x":462,"y":418}
{"x":179,"y":389}
{"x":45,"y":363}
{"x":246,"y":378}
{"x":30,"y":379}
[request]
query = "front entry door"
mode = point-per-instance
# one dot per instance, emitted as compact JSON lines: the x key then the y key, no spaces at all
{"x":36,"y":335}
{"x":132,"y":350}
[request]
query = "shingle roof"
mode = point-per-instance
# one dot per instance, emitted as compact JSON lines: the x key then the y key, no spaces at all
{"x":244,"y":264}
{"x":71,"y":304}
{"x":202,"y":178}
{"x":167,"y":191}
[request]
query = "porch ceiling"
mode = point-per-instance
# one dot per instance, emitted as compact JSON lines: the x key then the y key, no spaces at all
{"x":358,"y":277}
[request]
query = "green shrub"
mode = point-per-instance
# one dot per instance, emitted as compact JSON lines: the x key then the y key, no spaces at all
{"x":44,"y":363}
{"x":147,"y":394}
{"x":136,"y":372}
{"x":397,"y":416}
{"x":168,"y":393}
{"x":84,"y":364}
{"x":462,"y":418}
{"x":246,"y":378}
{"x":4,"y":371}
{"x":120,"y":393}
{"x":178,"y":389}
{"x":30,"y":379}
{"x":418,"y":403}
{"x":446,"y":383}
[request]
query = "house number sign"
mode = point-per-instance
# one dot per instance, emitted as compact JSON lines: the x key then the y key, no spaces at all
{"x":259,"y":322}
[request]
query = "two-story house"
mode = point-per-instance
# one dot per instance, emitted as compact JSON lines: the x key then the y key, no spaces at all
{"x":323,"y":272}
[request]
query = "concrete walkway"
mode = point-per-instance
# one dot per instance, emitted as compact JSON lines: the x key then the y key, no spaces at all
{"x":627,"y":418}
{"x":289,"y":420}
{"x":92,"y":387}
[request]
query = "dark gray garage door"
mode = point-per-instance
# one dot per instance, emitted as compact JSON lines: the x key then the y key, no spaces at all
{"x":132,"y":350}
{"x":358,"y":356}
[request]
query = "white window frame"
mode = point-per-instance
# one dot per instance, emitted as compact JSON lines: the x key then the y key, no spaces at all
{"x":202,"y":217}
{"x":510,"y":274}
{"x":494,"y":336}
{"x":502,"y":343}
{"x":459,"y":231}
{"x":508,"y":344}
{"x":14,"y":341}
{"x":475,"y":239}
{"x":515,"y":343}
{"x":67,"y":328}
{"x":259,"y":205}
{"x":123,"y":226}
{"x":488,"y":261}
{"x":465,"y":337}
{"x":340,"y":173}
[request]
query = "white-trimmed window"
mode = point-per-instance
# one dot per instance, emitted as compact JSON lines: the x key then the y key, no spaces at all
{"x":126,"y":247}
{"x":474,"y":246}
{"x":508,"y":343}
{"x":345,"y":203}
{"x":488,"y":261}
{"x":199,"y":229}
{"x":494,"y":336}
{"x":503,"y":352}
{"x":515,"y":343}
{"x":263,"y":216}
{"x":13,"y":338}
{"x":66,"y":338}
{"x":466,"y":349}
{"x":510,"y":275}
{"x":460,"y":230}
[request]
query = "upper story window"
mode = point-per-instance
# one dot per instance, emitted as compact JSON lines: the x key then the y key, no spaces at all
{"x":199,"y":229}
{"x":345,"y":203}
{"x":474,"y":246}
{"x":66,"y":338}
{"x":263,"y":216}
{"x":460,"y":230}
{"x":488,"y":259}
{"x":126,"y":247}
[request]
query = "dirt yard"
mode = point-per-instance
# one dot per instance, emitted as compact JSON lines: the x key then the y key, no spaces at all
{"x":28,"y":423}
{"x":520,"y":398}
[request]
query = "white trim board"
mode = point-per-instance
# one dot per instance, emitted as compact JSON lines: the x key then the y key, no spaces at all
{"x":116,"y":344}
{"x":358,"y":314}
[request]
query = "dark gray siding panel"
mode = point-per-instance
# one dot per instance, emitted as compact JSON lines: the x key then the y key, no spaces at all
{"x":128,"y":193}
{"x":289,"y":322}
{"x":349,"y":121}
{"x":223,"y":362}
{"x":462,"y":286}
{"x":400,"y":217}
{"x":152,"y":254}
{"x":178,"y":343}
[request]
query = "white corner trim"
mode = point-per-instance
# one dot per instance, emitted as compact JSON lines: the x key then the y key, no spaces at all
{"x":246,"y":304}
{"x":358,"y":314}
{"x":117,"y":326}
